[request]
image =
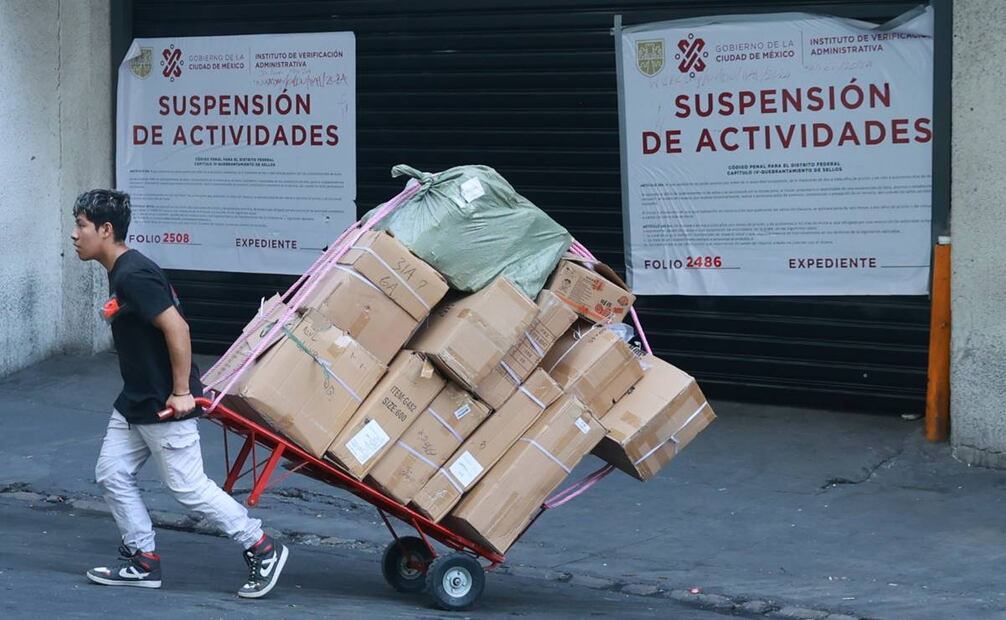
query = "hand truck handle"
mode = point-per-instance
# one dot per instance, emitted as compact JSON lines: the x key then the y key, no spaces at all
{"x":164,"y":414}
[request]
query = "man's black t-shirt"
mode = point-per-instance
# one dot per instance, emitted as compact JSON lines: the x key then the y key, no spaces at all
{"x":140,"y":292}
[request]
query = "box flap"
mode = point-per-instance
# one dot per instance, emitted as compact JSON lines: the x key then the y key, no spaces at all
{"x":598,"y":267}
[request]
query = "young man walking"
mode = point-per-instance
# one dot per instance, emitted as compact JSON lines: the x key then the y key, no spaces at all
{"x":155,"y":359}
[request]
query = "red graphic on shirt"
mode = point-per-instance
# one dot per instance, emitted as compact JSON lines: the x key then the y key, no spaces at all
{"x":110,"y":309}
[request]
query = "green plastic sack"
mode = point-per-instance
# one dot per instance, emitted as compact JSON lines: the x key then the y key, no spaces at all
{"x":471,"y":225}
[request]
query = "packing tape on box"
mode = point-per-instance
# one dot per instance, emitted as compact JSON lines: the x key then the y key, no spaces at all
{"x":514,"y":377}
{"x":573,"y":346}
{"x":325,"y":364}
{"x":547,"y":453}
{"x":359,"y":277}
{"x":416,"y":454}
{"x":534,"y":344}
{"x":674,"y":436}
{"x":436,"y":416}
{"x":451,"y":479}
{"x":528,"y":393}
{"x":397,"y":275}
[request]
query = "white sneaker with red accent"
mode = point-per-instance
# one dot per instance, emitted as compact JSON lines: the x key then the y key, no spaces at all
{"x":136,"y":569}
{"x":265,"y":560}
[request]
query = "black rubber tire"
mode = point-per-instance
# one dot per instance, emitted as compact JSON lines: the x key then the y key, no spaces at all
{"x":396,"y":573}
{"x":455,"y":581}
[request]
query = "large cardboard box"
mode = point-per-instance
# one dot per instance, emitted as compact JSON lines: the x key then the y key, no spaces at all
{"x":654,"y":421}
{"x":308,"y":382}
{"x":504,"y":503}
{"x":360,"y":308}
{"x":410,"y":282}
{"x":264,"y":320}
{"x":553,"y":319}
{"x":468,"y":336}
{"x":452,"y":416}
{"x":486,"y":445}
{"x":409,"y":386}
{"x":591,"y":288}
{"x":593,"y":363}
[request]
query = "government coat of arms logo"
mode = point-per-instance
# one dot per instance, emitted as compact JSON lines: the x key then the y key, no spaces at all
{"x":141,"y":64}
{"x":650,"y":56}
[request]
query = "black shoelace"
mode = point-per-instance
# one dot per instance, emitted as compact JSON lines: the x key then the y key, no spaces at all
{"x":128,"y":558}
{"x":253,"y":561}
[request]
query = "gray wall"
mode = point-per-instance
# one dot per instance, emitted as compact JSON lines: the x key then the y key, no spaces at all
{"x":978,"y":358}
{"x":55,"y":141}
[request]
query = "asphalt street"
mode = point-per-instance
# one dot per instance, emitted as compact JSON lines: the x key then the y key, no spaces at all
{"x":44,"y":551}
{"x":781,"y":511}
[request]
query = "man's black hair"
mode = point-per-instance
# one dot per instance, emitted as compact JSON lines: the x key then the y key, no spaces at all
{"x":103,"y":206}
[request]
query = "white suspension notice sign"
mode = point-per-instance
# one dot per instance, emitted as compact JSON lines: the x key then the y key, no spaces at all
{"x":239,"y":153}
{"x":786,"y":154}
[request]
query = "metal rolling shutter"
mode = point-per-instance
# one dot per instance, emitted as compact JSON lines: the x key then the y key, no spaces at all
{"x":528,"y":87}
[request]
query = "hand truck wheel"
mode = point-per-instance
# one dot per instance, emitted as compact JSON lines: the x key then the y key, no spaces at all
{"x":455,"y":581}
{"x":405,"y":563}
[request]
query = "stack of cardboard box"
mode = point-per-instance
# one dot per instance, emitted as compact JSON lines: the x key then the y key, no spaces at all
{"x":552,"y":320}
{"x":438,"y":432}
{"x":321,"y":368}
{"x":470,"y":408}
{"x":486,"y":446}
{"x":506,"y":500}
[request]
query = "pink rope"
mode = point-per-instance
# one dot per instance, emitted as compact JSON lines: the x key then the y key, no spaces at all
{"x":319,"y":268}
{"x":323,"y":259}
{"x":325,"y":262}
{"x":579,"y":249}
{"x":258,"y":321}
{"x":577,"y":489}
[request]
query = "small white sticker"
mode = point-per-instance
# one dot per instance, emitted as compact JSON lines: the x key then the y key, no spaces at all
{"x":462,"y":411}
{"x":472,"y":189}
{"x":466,"y":469}
{"x":365,"y":444}
{"x":583,"y":426}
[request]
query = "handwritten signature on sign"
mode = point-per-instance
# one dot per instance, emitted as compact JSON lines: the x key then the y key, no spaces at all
{"x":302,"y":79}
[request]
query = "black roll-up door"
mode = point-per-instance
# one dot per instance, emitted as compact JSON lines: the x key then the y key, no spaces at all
{"x":528,"y":87}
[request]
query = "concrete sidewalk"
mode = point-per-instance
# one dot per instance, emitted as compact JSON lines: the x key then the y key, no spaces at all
{"x":772,"y":511}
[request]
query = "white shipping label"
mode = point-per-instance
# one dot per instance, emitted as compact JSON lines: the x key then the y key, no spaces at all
{"x":365,"y":444}
{"x":462,"y":411}
{"x":583,"y":426}
{"x":466,"y":469}
{"x":472,"y":190}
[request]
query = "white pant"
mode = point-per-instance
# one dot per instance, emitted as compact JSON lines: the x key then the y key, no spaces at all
{"x":176,"y":451}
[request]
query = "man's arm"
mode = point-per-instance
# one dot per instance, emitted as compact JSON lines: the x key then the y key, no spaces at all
{"x":176,"y":335}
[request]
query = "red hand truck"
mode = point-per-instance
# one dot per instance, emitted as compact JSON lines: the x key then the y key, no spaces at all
{"x":454,"y":581}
